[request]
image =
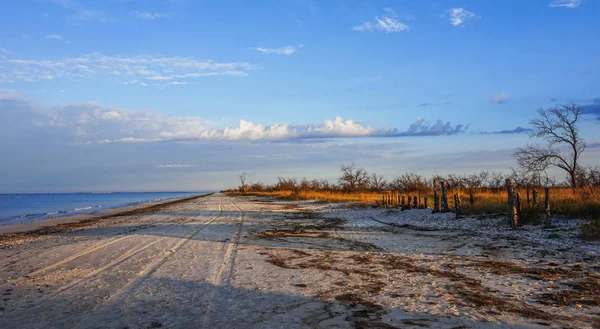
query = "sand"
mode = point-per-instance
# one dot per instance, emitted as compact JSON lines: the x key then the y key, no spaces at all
{"x":241,"y":262}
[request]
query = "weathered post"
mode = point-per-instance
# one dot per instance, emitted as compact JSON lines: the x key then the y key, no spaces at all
{"x":415,"y":202}
{"x":534,"y":195}
{"x":425,"y":203}
{"x":471,"y":198}
{"x":457,"y":205}
{"x":518,"y":200}
{"x":436,"y":197}
{"x":408,"y":202}
{"x":513,"y":216}
{"x":419,"y":202}
{"x":528,"y":199}
{"x":403,"y":203}
{"x":444,"y":186}
{"x":547,"y":206}
{"x":383,"y":200}
{"x":398,"y":199}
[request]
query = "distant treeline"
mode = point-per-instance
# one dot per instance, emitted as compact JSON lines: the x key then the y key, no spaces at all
{"x":354,"y":178}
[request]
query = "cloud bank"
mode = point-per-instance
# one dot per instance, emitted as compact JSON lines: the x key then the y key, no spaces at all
{"x":150,"y":69}
{"x":593,"y":108}
{"x":95,"y":123}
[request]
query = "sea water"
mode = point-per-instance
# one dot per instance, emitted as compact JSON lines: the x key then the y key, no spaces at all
{"x":19,"y":208}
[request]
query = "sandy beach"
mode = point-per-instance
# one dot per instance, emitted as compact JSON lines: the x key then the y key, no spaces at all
{"x":222,"y":261}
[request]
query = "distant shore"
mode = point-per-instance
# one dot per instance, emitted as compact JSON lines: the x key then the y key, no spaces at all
{"x":78,"y":218}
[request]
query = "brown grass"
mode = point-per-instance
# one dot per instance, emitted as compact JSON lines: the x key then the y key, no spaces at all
{"x":581,"y":203}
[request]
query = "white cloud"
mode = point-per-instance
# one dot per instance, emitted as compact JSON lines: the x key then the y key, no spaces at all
{"x":459,"y":16}
{"x":565,"y":3}
{"x":177,"y":83}
{"x":287,"y":50}
{"x":174,"y":166}
{"x":499,"y":98}
{"x":54,"y":37}
{"x":150,"y":16}
{"x":122,"y":69}
{"x":385,"y":24}
{"x":91,"y":122}
{"x":2,"y":50}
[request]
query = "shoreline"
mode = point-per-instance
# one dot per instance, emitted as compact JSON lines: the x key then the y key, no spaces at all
{"x":64,"y":222}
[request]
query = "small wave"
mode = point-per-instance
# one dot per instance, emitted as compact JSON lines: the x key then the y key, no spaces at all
{"x":82,"y":209}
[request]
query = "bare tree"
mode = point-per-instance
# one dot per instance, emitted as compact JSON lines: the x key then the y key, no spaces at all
{"x":557,"y":126}
{"x":243,"y":177}
{"x":496,"y":180}
{"x":304,"y":185}
{"x":353,"y":178}
{"x":588,"y":176}
{"x":286,"y":184}
{"x":409,"y":182}
{"x":476,"y":181}
{"x":377,"y":183}
{"x":455,"y":181}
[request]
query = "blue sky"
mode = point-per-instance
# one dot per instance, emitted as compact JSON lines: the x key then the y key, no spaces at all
{"x":148,"y":95}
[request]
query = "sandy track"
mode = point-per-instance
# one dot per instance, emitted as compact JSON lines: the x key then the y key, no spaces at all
{"x":235,"y":262}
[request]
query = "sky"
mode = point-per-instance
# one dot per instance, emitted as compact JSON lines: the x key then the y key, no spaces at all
{"x":126,"y":95}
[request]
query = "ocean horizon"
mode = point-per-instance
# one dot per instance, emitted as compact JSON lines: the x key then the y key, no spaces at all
{"x":27,"y":207}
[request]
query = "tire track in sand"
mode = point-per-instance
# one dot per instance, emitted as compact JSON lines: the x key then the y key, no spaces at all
{"x":147,"y":271}
{"x":130,"y":253}
{"x":71,"y":258}
{"x":223,"y":276}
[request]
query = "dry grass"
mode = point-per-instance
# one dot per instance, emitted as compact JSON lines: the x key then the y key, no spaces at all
{"x":580,"y":203}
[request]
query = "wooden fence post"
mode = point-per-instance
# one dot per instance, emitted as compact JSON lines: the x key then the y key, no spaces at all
{"x":518,"y":200}
{"x":457,"y":205}
{"x":398,"y":199}
{"x":547,"y":206}
{"x":528,"y":199}
{"x":425,"y":203}
{"x":444,"y":186}
{"x":471,"y":199}
{"x":436,"y":197}
{"x":383,"y":200}
{"x":403,"y":203}
{"x":534,"y":195}
{"x":415,"y":202}
{"x":513,"y":216}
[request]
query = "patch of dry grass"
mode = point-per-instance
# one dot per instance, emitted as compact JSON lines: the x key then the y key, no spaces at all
{"x":581,"y":203}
